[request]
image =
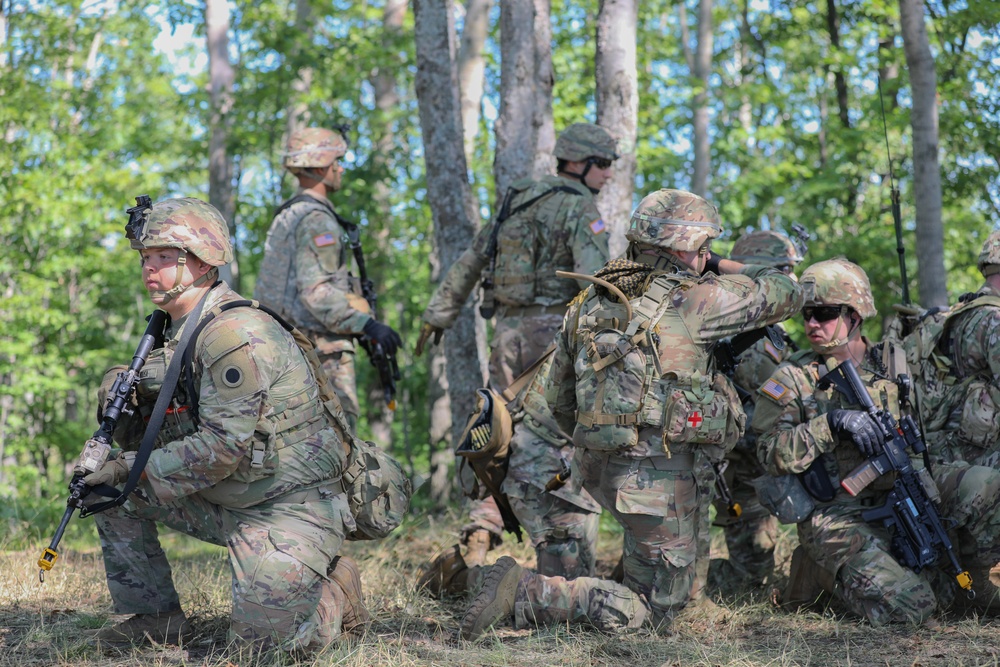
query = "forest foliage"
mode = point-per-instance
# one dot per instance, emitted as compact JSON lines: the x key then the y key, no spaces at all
{"x":95,"y":110}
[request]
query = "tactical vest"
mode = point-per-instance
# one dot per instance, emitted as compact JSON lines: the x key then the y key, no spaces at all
{"x":277,"y":287}
{"x":285,"y":420}
{"x":525,"y":266}
{"x":622,"y":386}
{"x":960,"y":406}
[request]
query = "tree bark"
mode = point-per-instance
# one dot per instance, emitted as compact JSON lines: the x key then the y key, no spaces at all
{"x":220,"y":163}
{"x":617,"y":95}
{"x":700,"y":72}
{"x":545,"y":130}
{"x":472,"y":69}
{"x":448,"y":192}
{"x":515,"y":127}
{"x":839,"y":80}
{"x":926,"y":166}
{"x":297,"y":111}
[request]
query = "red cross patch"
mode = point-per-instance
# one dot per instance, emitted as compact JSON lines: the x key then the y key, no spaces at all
{"x":695,"y":420}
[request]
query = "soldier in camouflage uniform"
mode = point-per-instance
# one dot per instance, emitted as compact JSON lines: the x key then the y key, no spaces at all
{"x":802,"y":428}
{"x":304,"y":274}
{"x":552,"y":224}
{"x":633,"y":379}
{"x":258,"y":470}
{"x":751,"y":537}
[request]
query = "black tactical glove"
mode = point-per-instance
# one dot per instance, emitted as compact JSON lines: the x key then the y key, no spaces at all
{"x":712,"y":263}
{"x":859,"y":427}
{"x":384,"y":335}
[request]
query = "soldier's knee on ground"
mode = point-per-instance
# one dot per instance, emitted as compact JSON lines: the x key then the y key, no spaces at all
{"x":564,"y":557}
{"x":875,"y":586}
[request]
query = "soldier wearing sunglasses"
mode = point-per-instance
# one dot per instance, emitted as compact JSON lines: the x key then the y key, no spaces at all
{"x":812,"y":435}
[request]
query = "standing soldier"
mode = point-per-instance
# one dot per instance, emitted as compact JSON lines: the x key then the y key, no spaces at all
{"x":633,"y":379}
{"x":543,"y":226}
{"x":750,"y":538}
{"x":304,"y":275}
{"x":815,"y":435}
{"x":250,"y":457}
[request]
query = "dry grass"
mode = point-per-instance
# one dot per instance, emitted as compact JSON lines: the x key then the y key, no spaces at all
{"x":51,"y":624}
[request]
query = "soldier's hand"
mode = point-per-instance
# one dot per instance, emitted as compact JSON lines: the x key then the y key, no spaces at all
{"x":384,"y":335}
{"x":112,"y":473}
{"x":859,"y":427}
{"x":426,"y":331}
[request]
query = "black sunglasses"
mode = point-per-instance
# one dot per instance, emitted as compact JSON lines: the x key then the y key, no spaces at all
{"x":600,"y":162}
{"x":821,"y":313}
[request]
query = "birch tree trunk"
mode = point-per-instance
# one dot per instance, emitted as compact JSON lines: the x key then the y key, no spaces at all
{"x":472,"y":69}
{"x":297,"y":112}
{"x":515,"y":127}
{"x":545,"y":131}
{"x":618,"y":110}
{"x":220,"y":163}
{"x":448,"y":193}
{"x":926,"y":166}
{"x":702,"y":68}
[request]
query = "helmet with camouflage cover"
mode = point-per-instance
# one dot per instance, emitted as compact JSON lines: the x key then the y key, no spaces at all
{"x":186,"y":223}
{"x":580,"y":141}
{"x":989,"y":257}
{"x":314,"y":147}
{"x":838,"y":282}
{"x":674,"y":220}
{"x":765,"y":247}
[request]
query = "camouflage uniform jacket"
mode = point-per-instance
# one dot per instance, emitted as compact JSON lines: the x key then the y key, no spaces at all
{"x":791,"y":424}
{"x":696,"y":312}
{"x":571,"y":237}
{"x":262,"y":429}
{"x":304,"y":275}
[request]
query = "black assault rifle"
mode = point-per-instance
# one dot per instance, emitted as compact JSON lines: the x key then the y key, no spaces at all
{"x":98,"y":448}
{"x":919,"y":538}
{"x":385,"y":364}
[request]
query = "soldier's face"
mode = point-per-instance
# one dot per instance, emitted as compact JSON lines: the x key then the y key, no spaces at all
{"x":598,"y":175}
{"x":824,"y":324}
{"x":333,"y":177}
{"x":160,"y":270}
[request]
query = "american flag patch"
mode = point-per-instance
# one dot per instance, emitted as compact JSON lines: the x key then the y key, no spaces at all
{"x":324,"y":240}
{"x":772,"y":350}
{"x":773,"y":389}
{"x":597,"y":226}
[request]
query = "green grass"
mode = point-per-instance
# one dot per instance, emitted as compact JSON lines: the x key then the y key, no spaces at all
{"x":51,"y":623}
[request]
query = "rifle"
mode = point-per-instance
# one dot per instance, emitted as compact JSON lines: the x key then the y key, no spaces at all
{"x":919,"y":538}
{"x":385,"y":364}
{"x":97,"y":450}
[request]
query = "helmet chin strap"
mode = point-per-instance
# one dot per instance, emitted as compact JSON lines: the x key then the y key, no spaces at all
{"x":583,"y":177}
{"x":162,"y":297}
{"x":314,"y":173}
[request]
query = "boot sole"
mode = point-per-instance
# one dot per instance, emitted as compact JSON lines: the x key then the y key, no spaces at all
{"x":495,"y":600}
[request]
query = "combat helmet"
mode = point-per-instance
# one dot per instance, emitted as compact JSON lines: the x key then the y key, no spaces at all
{"x":674,"y":220}
{"x":188,"y":224}
{"x":580,"y":141}
{"x":989,"y":257}
{"x":765,"y":247}
{"x":838,"y":282}
{"x":314,"y":148}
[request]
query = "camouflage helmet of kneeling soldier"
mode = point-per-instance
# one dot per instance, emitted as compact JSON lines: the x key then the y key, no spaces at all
{"x":674,"y":220}
{"x":989,"y":257}
{"x":765,"y":247}
{"x":580,"y":141}
{"x":314,"y":148}
{"x":838,"y":282}
{"x":188,"y":224}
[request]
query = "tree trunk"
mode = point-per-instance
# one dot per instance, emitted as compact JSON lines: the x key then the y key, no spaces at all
{"x":700,"y":72}
{"x":617,"y":95}
{"x":839,"y":80}
{"x":926,"y":168}
{"x":515,"y":127}
{"x":297,"y":111}
{"x":545,"y":130}
{"x":448,"y":192}
{"x":472,"y":68}
{"x":220,"y":164}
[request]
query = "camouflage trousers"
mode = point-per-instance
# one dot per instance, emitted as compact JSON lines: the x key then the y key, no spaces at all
{"x":516,"y":344}
{"x":279,"y":556}
{"x":661,"y":505}
{"x":338,"y":358}
{"x":751,"y":537}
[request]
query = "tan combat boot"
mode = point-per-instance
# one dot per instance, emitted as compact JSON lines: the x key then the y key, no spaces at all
{"x":477,"y":544}
{"x":446,"y":575}
{"x":168,"y":627}
{"x":806,"y":580}
{"x":495,"y":600}
{"x":348,"y":579}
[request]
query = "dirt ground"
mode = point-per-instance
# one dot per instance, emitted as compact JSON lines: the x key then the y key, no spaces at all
{"x":53,"y":623}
